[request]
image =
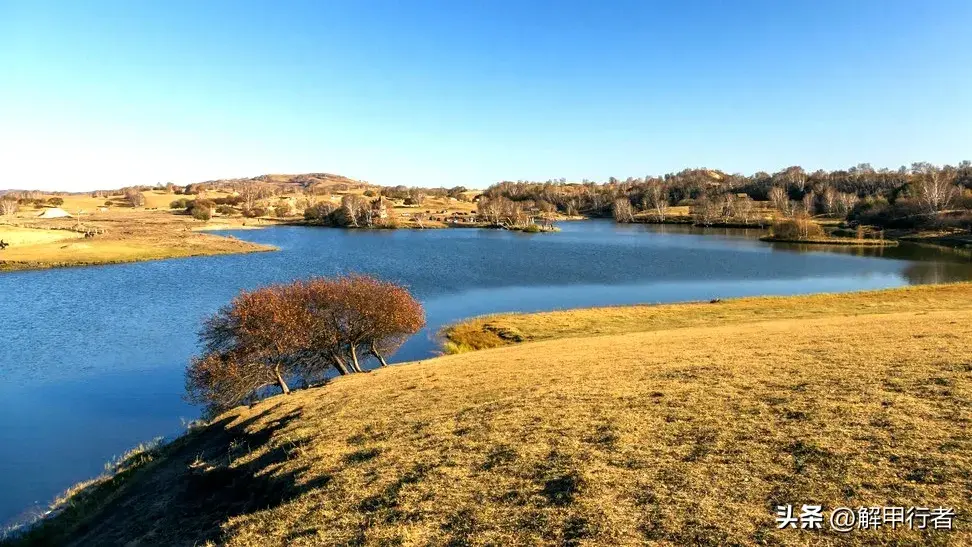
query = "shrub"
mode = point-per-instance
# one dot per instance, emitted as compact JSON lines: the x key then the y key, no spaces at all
{"x":181,"y":203}
{"x":320,"y":212}
{"x":56,"y":201}
{"x":904,"y":213}
{"x":8,"y":206}
{"x":225,"y":210}
{"x":134,"y":197}
{"x":254,"y":212}
{"x":201,"y":210}
{"x":283,"y":209}
{"x":797,"y":229}
{"x":230,"y":200}
{"x":531,"y":229}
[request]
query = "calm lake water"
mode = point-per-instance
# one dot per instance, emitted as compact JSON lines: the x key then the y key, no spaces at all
{"x":92,"y":358}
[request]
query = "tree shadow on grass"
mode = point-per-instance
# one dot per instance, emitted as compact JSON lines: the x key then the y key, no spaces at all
{"x":186,"y":492}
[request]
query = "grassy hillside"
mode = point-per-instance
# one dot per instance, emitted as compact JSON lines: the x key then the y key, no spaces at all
{"x":682,"y":426}
{"x":506,"y":329}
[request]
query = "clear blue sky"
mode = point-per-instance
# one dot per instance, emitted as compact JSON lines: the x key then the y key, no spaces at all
{"x":100,"y":94}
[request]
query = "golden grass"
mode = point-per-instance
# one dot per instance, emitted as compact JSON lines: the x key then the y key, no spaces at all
{"x":505,"y":329}
{"x":17,"y":236}
{"x":100,"y":251}
{"x":126,"y":235}
{"x":687,"y":434}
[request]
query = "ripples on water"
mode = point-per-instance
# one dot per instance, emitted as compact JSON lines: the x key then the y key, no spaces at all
{"x":92,"y":358}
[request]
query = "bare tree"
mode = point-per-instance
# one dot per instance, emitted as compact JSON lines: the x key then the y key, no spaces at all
{"x":134,"y":197}
{"x":808,"y":203}
{"x":706,"y":211}
{"x":846,"y":202}
{"x":935,"y":187}
{"x":354,"y":207}
{"x":829,"y":198}
{"x":796,"y":177}
{"x":744,"y":209}
{"x":250,"y":193}
{"x":728,"y":203}
{"x":623,"y":210}
{"x":8,"y":206}
{"x":657,"y":199}
{"x":490,"y":209}
{"x":780,"y":200}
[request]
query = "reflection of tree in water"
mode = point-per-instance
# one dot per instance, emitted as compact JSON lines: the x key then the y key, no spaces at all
{"x":691,"y":229}
{"x":903,"y":251}
{"x":937,"y":272}
{"x":927,"y":263}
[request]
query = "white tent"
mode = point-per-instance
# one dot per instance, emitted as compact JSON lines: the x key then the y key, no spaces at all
{"x":54,"y":212}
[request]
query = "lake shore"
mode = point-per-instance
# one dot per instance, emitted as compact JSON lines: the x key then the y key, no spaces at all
{"x":712,"y":408}
{"x":123,"y":237}
{"x":853,"y":242}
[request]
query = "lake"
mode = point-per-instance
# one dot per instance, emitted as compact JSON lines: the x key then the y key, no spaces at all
{"x":92,"y":359}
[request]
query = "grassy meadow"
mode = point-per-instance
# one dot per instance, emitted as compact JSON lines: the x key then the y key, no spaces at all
{"x":153,"y":231}
{"x":123,"y":234}
{"x":669,"y":425}
{"x":506,"y":329}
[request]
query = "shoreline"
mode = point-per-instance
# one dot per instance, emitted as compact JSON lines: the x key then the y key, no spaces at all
{"x":509,"y":329}
{"x":12,"y":266}
{"x":56,"y":246}
{"x":569,"y":395}
{"x":847,"y":242}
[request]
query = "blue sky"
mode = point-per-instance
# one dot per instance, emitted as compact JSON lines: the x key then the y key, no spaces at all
{"x":103,"y":94}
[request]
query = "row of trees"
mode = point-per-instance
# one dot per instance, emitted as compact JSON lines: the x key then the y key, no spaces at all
{"x":502,"y":211}
{"x":11,"y":202}
{"x":355,"y":211}
{"x":916,"y":194}
{"x":297,"y":332}
{"x":415,"y":196}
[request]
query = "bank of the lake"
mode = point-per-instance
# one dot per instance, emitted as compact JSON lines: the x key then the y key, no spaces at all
{"x":690,"y":421}
{"x":846,"y":241}
{"x":123,"y":238}
{"x":93,"y":358}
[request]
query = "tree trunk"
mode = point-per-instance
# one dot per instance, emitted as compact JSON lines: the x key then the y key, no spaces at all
{"x":281,"y":382}
{"x":381,"y":359}
{"x":339,"y":365}
{"x":354,"y":359}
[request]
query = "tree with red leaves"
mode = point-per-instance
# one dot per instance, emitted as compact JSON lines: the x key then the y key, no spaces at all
{"x":300,"y":330}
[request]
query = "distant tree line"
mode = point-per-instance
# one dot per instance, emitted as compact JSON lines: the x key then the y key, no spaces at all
{"x":354,"y":211}
{"x":11,"y":202}
{"x":416,"y":195}
{"x":296,"y":333}
{"x":922,"y":195}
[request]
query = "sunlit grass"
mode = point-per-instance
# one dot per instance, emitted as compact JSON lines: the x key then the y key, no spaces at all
{"x":670,"y":425}
{"x":505,"y":329}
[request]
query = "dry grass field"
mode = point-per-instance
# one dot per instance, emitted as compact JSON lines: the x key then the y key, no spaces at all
{"x":684,"y":427}
{"x":154,"y":231}
{"x":506,"y":329}
{"x":124,"y":236}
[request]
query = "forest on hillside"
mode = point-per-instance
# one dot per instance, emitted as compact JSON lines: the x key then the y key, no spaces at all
{"x":917,"y":197}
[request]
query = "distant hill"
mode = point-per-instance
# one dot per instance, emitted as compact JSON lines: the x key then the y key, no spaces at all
{"x":309,"y":181}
